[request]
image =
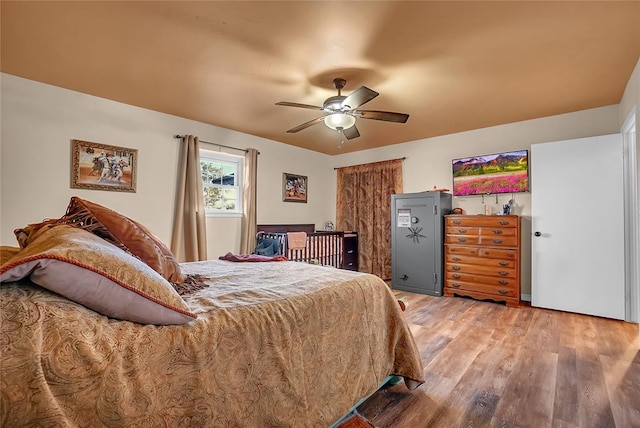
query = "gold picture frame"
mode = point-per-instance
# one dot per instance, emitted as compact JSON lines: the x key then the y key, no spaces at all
{"x":97,"y":166}
{"x":295,"y":188}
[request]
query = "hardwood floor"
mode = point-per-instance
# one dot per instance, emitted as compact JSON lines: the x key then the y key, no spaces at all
{"x":489,"y":365}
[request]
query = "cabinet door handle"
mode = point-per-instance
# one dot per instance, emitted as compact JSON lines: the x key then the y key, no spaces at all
{"x":462,"y":230}
{"x":503,"y":282}
{"x":456,"y":275}
{"x":456,"y":221}
{"x":503,"y":291}
{"x":404,"y":277}
{"x":503,"y":273}
{"x":456,"y":259}
{"x":503,"y":263}
{"x":497,"y":241}
{"x":455,"y":285}
{"x":504,"y":222}
{"x":497,"y":232}
{"x":350,"y":252}
{"x":462,"y":239}
{"x":457,"y":268}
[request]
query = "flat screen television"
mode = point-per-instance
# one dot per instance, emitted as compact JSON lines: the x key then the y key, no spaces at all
{"x":506,"y":172}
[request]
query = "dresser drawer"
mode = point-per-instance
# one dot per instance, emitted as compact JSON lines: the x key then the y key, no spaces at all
{"x":483,"y":261}
{"x":489,"y":280}
{"x":497,"y":232}
{"x":467,"y":251}
{"x":510,"y":241}
{"x":496,"y":253}
{"x":462,"y":239}
{"x":482,"y":270}
{"x":474,"y":231}
{"x":481,"y":288}
{"x":480,"y":221}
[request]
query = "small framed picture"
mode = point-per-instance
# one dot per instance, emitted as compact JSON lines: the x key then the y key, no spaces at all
{"x":295,"y":188}
{"x":97,"y":166}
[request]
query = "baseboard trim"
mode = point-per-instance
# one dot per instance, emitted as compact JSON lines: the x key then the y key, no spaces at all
{"x":525,"y":297}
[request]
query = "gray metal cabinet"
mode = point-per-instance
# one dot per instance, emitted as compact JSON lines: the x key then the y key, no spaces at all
{"x":417,"y":241}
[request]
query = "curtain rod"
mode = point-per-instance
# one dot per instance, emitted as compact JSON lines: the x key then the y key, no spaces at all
{"x":402,"y":158}
{"x":215,"y":144}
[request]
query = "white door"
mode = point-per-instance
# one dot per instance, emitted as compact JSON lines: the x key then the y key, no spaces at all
{"x":577,"y":221}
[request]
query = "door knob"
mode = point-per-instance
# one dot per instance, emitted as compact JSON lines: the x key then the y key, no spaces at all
{"x":538,"y":233}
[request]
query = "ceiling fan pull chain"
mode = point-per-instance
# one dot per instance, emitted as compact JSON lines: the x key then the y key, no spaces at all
{"x":340,"y":138}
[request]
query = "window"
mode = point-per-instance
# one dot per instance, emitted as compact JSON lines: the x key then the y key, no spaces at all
{"x":221,"y":183}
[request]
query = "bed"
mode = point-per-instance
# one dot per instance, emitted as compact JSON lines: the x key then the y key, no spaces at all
{"x":257,"y":344}
{"x":330,"y":248}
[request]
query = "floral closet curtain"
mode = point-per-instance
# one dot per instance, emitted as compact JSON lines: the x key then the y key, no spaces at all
{"x":364,"y":205}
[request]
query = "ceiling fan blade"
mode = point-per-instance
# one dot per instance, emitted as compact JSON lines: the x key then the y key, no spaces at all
{"x":351,"y":133}
{"x":358,"y":97}
{"x":388,"y":116}
{"x":288,"y":104}
{"x":306,"y":125}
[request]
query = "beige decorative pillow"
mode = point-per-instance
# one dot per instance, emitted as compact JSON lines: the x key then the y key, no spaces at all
{"x":86,"y":269}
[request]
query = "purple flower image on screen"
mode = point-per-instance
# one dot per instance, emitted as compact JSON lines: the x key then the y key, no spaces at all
{"x":497,"y":173}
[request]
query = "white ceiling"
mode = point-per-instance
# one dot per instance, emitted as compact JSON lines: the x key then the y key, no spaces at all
{"x":452,"y":66}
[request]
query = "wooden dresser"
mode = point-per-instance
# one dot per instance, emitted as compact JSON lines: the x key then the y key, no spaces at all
{"x":482,"y":257}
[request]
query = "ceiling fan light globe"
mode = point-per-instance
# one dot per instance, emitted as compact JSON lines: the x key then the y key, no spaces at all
{"x":339,"y":121}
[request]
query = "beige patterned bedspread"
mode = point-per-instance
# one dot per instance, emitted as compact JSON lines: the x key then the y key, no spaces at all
{"x":275,"y":344}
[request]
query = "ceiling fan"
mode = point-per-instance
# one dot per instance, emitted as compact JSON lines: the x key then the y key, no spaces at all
{"x":342,"y":111}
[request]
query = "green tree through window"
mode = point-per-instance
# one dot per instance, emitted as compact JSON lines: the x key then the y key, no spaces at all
{"x":221,"y":182}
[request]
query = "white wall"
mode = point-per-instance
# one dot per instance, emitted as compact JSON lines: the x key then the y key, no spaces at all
{"x":39,"y":121}
{"x":428,"y":161}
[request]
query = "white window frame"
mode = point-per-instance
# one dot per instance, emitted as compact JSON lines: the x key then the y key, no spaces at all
{"x":238,"y":161}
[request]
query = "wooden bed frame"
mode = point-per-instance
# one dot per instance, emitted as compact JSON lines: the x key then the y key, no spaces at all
{"x":338,"y":249}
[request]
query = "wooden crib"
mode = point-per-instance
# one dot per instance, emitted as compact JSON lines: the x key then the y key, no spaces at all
{"x":338,"y":249}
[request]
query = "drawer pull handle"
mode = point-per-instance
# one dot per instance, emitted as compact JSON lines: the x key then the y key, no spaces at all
{"x":462,"y":230}
{"x":456,"y":221}
{"x":503,"y":263}
{"x":497,"y":241}
{"x":497,"y":232}
{"x":503,"y":291}
{"x":457,"y":268}
{"x":456,"y":275}
{"x":503,"y":282}
{"x":462,"y":239}
{"x":455,"y":285}
{"x":456,"y":259}
{"x":504,"y":222}
{"x":503,"y":273}
{"x":350,"y":252}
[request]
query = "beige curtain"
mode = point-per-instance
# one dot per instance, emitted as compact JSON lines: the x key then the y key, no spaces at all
{"x":189,"y":238}
{"x":364,"y":205}
{"x":249,"y":216}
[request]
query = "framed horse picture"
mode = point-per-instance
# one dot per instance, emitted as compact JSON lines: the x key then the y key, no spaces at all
{"x":294,"y":187}
{"x":98,"y":166}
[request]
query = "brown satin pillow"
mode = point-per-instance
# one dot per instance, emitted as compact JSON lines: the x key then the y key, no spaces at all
{"x":124,"y":233}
